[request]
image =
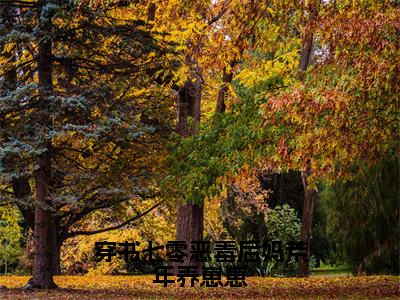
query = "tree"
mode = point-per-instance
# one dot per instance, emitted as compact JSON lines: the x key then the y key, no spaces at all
{"x":335,"y":116}
{"x":79,"y":121}
{"x":361,"y":215}
{"x":309,"y":191}
{"x":188,"y":87}
{"x":201,"y":51}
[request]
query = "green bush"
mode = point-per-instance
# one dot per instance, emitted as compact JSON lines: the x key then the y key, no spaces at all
{"x":10,"y":237}
{"x":363,"y":218}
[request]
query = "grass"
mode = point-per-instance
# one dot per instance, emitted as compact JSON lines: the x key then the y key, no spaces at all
{"x":327,"y":270}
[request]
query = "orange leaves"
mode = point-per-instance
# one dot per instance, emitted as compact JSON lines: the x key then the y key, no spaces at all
{"x":364,"y":39}
{"x":282,"y":148}
{"x":317,"y":126}
{"x":347,"y":110}
{"x":128,"y":287}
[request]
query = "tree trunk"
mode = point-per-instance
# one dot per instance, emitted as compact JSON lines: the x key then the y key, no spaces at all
{"x":190,"y":227}
{"x":190,"y":219}
{"x":45,"y":233}
{"x":188,"y":105}
{"x":309,"y":194}
{"x":306,"y":220}
{"x":227,"y":77}
{"x":223,"y":91}
{"x":56,"y":261}
{"x":305,"y":54}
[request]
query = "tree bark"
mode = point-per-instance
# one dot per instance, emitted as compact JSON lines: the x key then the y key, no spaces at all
{"x":45,"y":229}
{"x":45,"y":232}
{"x":223,"y":91}
{"x":309,"y":193}
{"x":305,"y":54}
{"x":56,"y":258}
{"x":188,"y":105}
{"x":190,"y":217}
{"x":306,"y":220}
{"x":189,"y":227}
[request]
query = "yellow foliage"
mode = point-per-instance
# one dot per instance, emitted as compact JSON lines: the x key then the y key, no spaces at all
{"x":128,"y":287}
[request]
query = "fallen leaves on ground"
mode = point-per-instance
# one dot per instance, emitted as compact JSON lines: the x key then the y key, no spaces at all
{"x":142,"y":287}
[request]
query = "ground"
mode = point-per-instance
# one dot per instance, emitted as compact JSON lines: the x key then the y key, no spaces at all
{"x":142,"y":287}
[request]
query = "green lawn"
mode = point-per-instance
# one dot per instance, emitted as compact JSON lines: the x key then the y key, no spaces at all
{"x":331,"y":271}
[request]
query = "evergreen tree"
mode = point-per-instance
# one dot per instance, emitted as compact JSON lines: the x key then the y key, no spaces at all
{"x":81,"y":131}
{"x":363,"y":217}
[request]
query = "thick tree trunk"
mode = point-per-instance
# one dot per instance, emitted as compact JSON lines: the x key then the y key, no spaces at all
{"x":189,"y":227}
{"x":45,"y":230}
{"x":190,"y":219}
{"x":45,"y":233}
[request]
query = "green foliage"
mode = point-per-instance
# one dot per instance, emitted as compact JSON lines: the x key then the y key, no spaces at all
{"x":223,"y":144}
{"x":278,"y":224}
{"x":101,"y":114}
{"x":320,"y":247}
{"x":10,"y":236}
{"x":362,"y":216}
{"x":282,"y":224}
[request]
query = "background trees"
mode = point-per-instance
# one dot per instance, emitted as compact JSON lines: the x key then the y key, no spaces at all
{"x":361,"y":213}
{"x":10,"y":236}
{"x":110,"y":109}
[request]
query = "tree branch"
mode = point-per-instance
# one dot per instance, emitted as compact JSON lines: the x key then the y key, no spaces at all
{"x":75,"y":233}
{"x":224,"y":9}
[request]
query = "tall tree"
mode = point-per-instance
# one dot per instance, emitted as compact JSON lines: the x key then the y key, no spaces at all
{"x":79,"y":129}
{"x":309,"y":192}
{"x":45,"y":239}
{"x":208,"y":16}
{"x":190,"y":219}
{"x":335,"y":116}
{"x":20,"y":186}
